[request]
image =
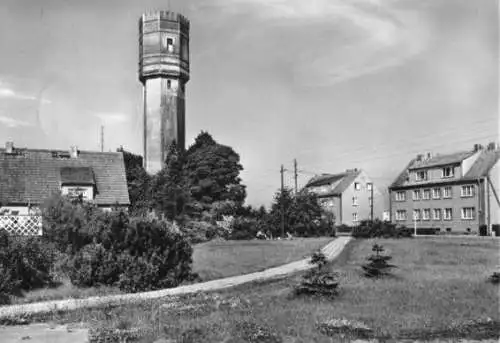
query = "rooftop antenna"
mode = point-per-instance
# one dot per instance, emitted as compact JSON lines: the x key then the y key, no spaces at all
{"x":102,"y":138}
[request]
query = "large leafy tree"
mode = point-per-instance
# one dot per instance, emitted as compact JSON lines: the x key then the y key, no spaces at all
{"x":171,"y":193}
{"x":138,"y":182}
{"x":212,"y":171}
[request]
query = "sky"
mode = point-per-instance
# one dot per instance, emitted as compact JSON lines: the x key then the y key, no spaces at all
{"x":335,"y":84}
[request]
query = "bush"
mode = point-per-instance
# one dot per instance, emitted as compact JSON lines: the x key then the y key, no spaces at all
{"x":378,"y":228}
{"x":378,"y":265}
{"x":25,"y":264}
{"x":244,"y":229}
{"x":344,"y":228}
{"x":428,"y":231}
{"x":494,"y":278}
{"x":319,"y":281}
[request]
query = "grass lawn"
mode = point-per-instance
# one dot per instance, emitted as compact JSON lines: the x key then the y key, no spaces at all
{"x":218,"y":259}
{"x":212,"y":260}
{"x":439,"y":283}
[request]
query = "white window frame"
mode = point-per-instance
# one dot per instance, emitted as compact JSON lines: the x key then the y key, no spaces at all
{"x":445,"y":217}
{"x":472,"y":213}
{"x":436,"y":193}
{"x":355,"y":201}
{"x":418,"y":174}
{"x":400,"y":215}
{"x":450,"y":195}
{"x":357,"y":186}
{"x":400,"y":196}
{"x":439,"y":212}
{"x":445,"y":175}
{"x":416,"y":214}
{"x":426,"y":191}
{"x":355,"y":218}
{"x":428,"y":211}
{"x":467,"y":194}
{"x":416,"y":192}
{"x":369,"y":186}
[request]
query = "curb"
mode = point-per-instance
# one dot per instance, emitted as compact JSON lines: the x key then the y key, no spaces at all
{"x":331,"y":250}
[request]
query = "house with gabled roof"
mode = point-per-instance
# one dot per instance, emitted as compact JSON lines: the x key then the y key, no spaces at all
{"x":30,"y":176}
{"x":349,"y":196}
{"x":456,"y":192}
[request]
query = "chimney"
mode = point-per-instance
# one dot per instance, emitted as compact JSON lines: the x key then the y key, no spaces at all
{"x":9,"y":147}
{"x":73,"y":151}
{"x":428,"y":155}
{"x":492,"y":146}
{"x":420,"y":157}
{"x":477,"y":147}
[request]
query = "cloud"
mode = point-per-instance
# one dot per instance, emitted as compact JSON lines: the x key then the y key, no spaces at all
{"x":6,"y":92}
{"x":11,"y":122}
{"x":112,"y":117}
{"x":329,"y":41}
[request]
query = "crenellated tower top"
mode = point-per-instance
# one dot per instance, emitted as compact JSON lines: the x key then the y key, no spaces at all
{"x":163,"y":45}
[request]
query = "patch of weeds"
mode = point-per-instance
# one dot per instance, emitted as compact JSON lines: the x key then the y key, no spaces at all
{"x":109,"y":335}
{"x":319,"y":281}
{"x":378,"y":265}
{"x":351,"y":329}
{"x":255,"y":333}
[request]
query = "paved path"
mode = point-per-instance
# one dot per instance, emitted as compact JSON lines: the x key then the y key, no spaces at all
{"x":331,"y":250}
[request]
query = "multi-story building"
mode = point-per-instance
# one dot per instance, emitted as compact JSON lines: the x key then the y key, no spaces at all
{"x":29,"y":176}
{"x":455,"y":192}
{"x":350,"y":196}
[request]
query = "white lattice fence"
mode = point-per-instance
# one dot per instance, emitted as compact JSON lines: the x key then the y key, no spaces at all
{"x":22,"y":225}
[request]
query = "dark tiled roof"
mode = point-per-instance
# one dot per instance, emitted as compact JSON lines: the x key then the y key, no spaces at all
{"x":484,"y":162}
{"x":341,"y":181}
{"x":77,"y":176}
{"x":33,"y":175}
{"x":440,"y":160}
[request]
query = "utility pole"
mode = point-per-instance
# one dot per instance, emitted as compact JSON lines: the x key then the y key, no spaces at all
{"x":282,"y":204}
{"x":295,"y":174}
{"x":102,"y":138}
{"x":371,"y":202}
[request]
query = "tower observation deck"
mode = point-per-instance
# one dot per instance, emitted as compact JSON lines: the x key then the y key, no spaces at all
{"x":163,"y":72}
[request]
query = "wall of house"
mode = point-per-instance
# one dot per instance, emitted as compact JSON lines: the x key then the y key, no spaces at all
{"x":363,"y":207}
{"x":494,"y":206}
{"x":456,"y":203}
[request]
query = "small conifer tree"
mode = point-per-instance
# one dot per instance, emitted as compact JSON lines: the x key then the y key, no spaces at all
{"x":378,"y":265}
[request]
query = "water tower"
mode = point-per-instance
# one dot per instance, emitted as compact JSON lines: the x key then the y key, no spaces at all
{"x":163,"y":72}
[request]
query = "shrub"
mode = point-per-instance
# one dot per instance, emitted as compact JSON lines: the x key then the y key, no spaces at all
{"x":198,"y":231}
{"x":378,"y":228}
{"x":494,"y":278}
{"x":344,"y":228}
{"x":319,"y":281}
{"x":427,"y":231}
{"x":378,"y":265}
{"x":244,"y":229}
{"x":25,"y":264}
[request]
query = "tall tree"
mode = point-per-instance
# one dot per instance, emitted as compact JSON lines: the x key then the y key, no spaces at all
{"x":171,"y":194}
{"x":138,"y":182}
{"x":212,"y":172}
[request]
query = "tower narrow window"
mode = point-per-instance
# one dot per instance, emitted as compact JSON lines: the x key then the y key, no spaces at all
{"x":170,"y":45}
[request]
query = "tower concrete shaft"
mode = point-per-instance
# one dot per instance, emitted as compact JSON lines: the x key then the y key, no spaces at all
{"x":164,"y":72}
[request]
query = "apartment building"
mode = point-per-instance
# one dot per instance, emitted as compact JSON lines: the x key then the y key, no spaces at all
{"x":455,"y":192}
{"x":349,"y":196}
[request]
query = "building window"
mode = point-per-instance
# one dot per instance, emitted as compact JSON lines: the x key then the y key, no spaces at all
{"x":436,"y":193}
{"x":426,"y":215}
{"x":447,"y":213}
{"x":447,"y":172}
{"x":354,"y":217}
{"x":416,"y":194}
{"x":400,"y":215}
{"x":369,"y":186}
{"x":357,"y":186}
{"x":401,"y":196}
{"x":437,"y":214}
{"x":468,"y":213}
{"x":169,"y":84}
{"x":370,"y":201}
{"x":427,"y":194}
{"x":170,"y":45}
{"x":416,"y":214}
{"x":421,"y":175}
{"x":447,"y":192}
{"x":354,"y":201}
{"x":467,"y":191}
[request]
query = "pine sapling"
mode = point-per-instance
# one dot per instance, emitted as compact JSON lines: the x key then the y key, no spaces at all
{"x":378,"y":265}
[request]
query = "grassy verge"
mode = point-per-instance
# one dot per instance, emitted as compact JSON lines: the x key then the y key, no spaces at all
{"x":438,"y":290}
{"x":215,"y":260}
